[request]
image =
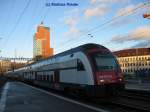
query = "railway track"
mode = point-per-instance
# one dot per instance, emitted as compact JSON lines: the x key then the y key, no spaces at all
{"x":133,"y":104}
{"x":138,"y":100}
{"x":136,"y":94}
{"x":128,"y":101}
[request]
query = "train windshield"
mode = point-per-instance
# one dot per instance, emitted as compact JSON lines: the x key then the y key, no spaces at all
{"x":104,"y":61}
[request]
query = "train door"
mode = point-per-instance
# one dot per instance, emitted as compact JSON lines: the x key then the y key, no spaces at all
{"x":35,"y":75}
{"x":56,"y":79}
{"x":56,"y":76}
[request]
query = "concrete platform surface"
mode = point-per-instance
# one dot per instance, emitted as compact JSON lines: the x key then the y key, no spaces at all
{"x":18,"y":97}
{"x":138,"y":86}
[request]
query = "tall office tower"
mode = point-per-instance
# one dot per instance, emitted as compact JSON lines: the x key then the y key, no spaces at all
{"x":41,"y":42}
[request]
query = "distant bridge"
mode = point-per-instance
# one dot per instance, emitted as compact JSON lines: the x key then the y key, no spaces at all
{"x":16,"y":59}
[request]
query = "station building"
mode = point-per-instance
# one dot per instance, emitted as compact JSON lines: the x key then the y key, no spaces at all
{"x":133,"y":61}
{"x":5,"y":65}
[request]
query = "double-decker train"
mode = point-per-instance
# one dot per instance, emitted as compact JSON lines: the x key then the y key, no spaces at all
{"x":89,"y":69}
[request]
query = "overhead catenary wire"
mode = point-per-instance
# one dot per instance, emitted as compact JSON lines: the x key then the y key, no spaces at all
{"x":102,"y":28}
{"x":6,"y":23}
{"x":105,"y":23}
{"x":16,"y":25}
{"x":43,"y":17}
{"x":28,"y":31}
{"x":111,"y":20}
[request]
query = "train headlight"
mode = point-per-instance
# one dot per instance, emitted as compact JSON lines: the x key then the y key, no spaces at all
{"x":120,"y":79}
{"x":101,"y":80}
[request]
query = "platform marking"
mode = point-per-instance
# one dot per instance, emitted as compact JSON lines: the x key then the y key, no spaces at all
{"x":67,"y":99}
{"x":3,"y":98}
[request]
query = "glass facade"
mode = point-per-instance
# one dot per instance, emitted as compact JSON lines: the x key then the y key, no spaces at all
{"x":41,"y":43}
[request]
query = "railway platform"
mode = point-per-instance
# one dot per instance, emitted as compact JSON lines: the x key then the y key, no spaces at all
{"x":19,"y":97}
{"x":138,"y":86}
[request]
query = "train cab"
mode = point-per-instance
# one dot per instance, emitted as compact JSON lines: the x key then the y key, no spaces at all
{"x":106,"y":71}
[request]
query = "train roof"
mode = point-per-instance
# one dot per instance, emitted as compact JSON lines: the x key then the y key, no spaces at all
{"x":83,"y":48}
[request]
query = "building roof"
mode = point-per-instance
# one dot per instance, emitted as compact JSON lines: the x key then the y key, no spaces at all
{"x":132,"y":52}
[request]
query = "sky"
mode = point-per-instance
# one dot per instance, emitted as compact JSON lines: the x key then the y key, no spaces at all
{"x":116,"y":24}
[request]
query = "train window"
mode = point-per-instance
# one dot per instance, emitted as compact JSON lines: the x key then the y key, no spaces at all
{"x":56,"y":76}
{"x":104,"y":62}
{"x":80,"y":66}
{"x":47,"y":77}
{"x":43,"y":77}
{"x":51,"y":78}
{"x":71,"y":55}
{"x":40,"y":77}
{"x":36,"y":77}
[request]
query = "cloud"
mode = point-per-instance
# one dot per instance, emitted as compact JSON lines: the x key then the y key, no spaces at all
{"x":96,"y":11}
{"x":123,"y":17}
{"x":142,"y":44}
{"x":109,"y":1}
{"x":121,"y":22}
{"x":72,"y":32}
{"x":127,"y":10}
{"x":71,"y":21}
{"x":139,"y":34}
{"x":74,"y":11}
{"x":93,"y":1}
{"x":70,"y":14}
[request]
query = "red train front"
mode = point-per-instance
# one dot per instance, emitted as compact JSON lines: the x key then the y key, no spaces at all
{"x":108,"y":77}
